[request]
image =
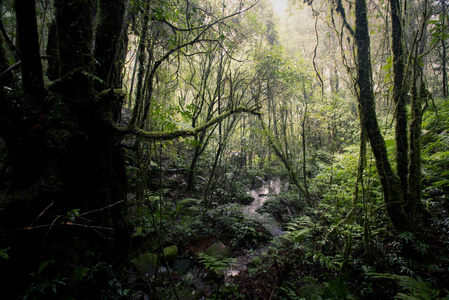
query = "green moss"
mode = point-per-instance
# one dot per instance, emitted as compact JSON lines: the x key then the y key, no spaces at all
{"x":146,"y":263}
{"x":170,"y":253}
{"x":217,"y":250}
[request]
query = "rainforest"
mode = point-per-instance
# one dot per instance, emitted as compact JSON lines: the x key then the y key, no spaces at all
{"x":224,"y":149}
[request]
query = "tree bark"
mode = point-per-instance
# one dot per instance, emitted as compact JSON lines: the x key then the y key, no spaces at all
{"x":391,"y":186}
{"x":110,"y":35}
{"x":443,"y":46}
{"x":414,"y":206}
{"x":399,"y":95}
{"x":28,"y":39}
{"x":64,"y":159}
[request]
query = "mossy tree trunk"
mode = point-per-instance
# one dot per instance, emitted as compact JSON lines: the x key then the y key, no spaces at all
{"x":391,"y":186}
{"x":401,"y":190}
{"x":63,"y":154}
{"x":399,"y":95}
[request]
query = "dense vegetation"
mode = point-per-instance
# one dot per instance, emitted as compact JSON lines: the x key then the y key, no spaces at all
{"x":202,"y":149}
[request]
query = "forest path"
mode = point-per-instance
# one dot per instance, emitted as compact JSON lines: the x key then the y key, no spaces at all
{"x":260,"y":196}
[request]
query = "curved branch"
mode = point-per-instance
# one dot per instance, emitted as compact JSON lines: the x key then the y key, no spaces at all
{"x":341,"y":10}
{"x":205,"y":27}
{"x":169,"y":135}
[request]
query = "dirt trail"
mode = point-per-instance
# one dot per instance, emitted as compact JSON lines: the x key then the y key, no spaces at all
{"x":261,"y":195}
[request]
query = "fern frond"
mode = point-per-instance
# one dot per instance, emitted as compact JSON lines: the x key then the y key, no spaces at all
{"x":299,"y":229}
{"x":216,"y":264}
{"x":415,"y":288}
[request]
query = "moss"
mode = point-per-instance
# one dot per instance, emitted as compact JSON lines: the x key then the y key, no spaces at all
{"x":217,"y":250}
{"x":146,"y":263}
{"x":170,"y":253}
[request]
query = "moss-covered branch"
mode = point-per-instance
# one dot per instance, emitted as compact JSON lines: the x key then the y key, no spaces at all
{"x":169,"y":135}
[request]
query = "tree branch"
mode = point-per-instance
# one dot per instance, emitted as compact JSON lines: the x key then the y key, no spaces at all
{"x":168,"y":135}
{"x":205,"y":27}
{"x":197,"y":39}
{"x":341,"y":10}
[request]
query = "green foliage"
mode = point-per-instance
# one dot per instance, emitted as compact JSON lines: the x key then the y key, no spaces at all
{"x":299,"y":229}
{"x":45,"y":288}
{"x":332,"y":263}
{"x":438,"y":31}
{"x":275,"y":207}
{"x":44,"y":285}
{"x":337,"y":289}
{"x":216,"y":264}
{"x":415,"y":288}
{"x":3,"y":253}
{"x":44,"y":265}
{"x":80,"y":272}
{"x":341,"y":172}
{"x":73,"y":214}
{"x":243,"y":232}
{"x":435,"y":152}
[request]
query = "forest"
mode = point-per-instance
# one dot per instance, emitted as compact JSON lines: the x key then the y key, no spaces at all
{"x":224,"y":149}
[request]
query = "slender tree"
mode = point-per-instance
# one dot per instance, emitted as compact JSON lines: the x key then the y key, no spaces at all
{"x":399,"y":93}
{"x":392,"y":189}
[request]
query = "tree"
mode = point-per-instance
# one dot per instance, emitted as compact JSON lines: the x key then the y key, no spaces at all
{"x":404,"y":210}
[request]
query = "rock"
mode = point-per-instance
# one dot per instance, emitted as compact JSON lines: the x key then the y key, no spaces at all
{"x":170,"y":253}
{"x":182,"y":265}
{"x":217,"y":250}
{"x":245,"y":200}
{"x":138,"y":232}
{"x":258,"y":182}
{"x":146,"y":263}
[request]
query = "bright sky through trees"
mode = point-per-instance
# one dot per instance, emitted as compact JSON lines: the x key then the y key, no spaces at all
{"x":279,"y":6}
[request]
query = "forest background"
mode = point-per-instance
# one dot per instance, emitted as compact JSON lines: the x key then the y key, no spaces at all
{"x":133,"y":131}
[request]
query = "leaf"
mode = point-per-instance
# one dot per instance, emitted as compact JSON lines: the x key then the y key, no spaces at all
{"x":80,"y":272}
{"x":44,"y":265}
{"x":93,"y":76}
{"x":3,"y":253}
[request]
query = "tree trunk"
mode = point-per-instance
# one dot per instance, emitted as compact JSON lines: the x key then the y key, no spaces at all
{"x":65,"y":164}
{"x":399,"y":95}
{"x":443,"y":46}
{"x":191,"y":172}
{"x":142,"y":58}
{"x":32,"y":78}
{"x":391,"y":186}
{"x":413,"y":207}
{"x":274,"y":145}
{"x":110,"y":35}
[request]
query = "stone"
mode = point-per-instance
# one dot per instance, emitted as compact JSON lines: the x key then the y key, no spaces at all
{"x":146,"y":263}
{"x":182,"y":265}
{"x":258,"y":182}
{"x":246,"y":200}
{"x":217,"y":250}
{"x":170,"y":253}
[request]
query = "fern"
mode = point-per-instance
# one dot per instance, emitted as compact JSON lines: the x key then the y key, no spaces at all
{"x":328,"y":262}
{"x":299,"y":229}
{"x":216,"y":264}
{"x":415,"y":289}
